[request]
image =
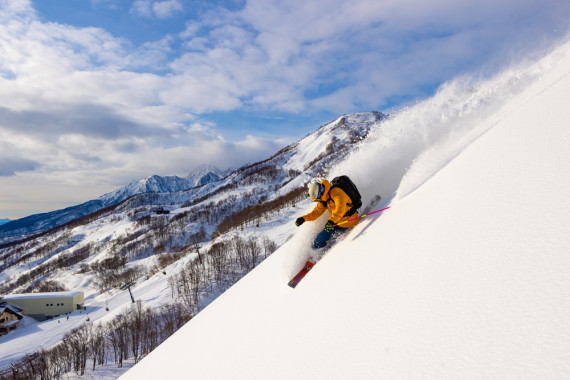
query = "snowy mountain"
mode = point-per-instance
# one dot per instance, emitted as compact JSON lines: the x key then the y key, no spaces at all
{"x":465,"y":276}
{"x":205,"y":173}
{"x":346,"y":130}
{"x":34,"y":224}
{"x":4,"y":221}
{"x":38,"y":223}
{"x":202,"y":175}
{"x":152,"y":184}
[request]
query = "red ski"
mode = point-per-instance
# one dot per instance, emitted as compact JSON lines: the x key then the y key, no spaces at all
{"x":308,"y":266}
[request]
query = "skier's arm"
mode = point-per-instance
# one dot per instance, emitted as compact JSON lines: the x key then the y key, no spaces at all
{"x":317,"y":211}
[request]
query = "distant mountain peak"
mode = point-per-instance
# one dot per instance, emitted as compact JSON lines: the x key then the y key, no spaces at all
{"x":204,"y":174}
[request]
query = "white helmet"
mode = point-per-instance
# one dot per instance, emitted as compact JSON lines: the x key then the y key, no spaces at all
{"x":315,"y":191}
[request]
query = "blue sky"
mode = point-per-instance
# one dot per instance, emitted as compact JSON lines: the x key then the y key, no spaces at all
{"x":97,"y":93}
{"x":137,"y":21}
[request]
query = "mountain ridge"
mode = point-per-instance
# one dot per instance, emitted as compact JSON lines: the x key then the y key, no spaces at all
{"x":201,"y":176}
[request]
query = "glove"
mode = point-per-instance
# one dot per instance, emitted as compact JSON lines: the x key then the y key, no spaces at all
{"x":329,"y":227}
{"x":299,"y":221}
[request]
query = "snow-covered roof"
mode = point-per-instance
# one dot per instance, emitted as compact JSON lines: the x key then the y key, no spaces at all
{"x":41,"y":295}
{"x":11,"y":323}
{"x":13,"y":308}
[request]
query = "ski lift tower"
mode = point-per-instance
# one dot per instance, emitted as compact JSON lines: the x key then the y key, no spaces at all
{"x":128,"y":286}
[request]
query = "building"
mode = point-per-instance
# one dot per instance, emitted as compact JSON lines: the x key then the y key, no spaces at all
{"x":44,"y":306}
{"x":10,"y":316}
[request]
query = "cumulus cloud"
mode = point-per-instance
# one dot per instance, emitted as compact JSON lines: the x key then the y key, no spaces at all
{"x":165,"y":9}
{"x":142,"y":8}
{"x":160,"y":9}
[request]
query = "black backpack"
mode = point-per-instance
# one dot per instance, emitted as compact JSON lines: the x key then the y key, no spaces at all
{"x":344,"y":183}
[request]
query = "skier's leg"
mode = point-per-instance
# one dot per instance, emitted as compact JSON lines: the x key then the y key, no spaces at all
{"x":323,"y":237}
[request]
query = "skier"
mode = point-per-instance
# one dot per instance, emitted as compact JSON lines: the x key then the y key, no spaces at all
{"x":334,"y":199}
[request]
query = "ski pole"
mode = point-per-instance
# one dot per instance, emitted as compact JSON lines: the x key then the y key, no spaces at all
{"x":362,"y":216}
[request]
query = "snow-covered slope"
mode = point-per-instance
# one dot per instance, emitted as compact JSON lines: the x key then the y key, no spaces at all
{"x":152,"y":184}
{"x":38,"y":223}
{"x":202,"y":175}
{"x":29,"y":225}
{"x":466,"y":276}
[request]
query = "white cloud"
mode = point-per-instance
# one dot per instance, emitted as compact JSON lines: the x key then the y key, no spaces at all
{"x":166,"y":9}
{"x":160,"y":9}
{"x":142,"y":8}
{"x":110,"y":4}
{"x":11,"y":8}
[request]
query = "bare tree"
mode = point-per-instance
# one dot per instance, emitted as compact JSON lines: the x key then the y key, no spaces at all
{"x":77,"y":342}
{"x":238,"y":245}
{"x":196,"y":279}
{"x":136,"y":329}
{"x":118,"y":336}
{"x":219,"y":259}
{"x":269,"y":246}
{"x":247,"y":252}
{"x":97,"y":345}
{"x":173,"y":316}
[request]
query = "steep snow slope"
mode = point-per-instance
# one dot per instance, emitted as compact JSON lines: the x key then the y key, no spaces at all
{"x":466,"y":276}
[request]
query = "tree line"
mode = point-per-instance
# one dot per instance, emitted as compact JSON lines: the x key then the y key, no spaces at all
{"x":256,"y":212}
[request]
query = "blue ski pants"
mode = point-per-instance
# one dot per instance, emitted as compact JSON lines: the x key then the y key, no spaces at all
{"x":323,"y":237}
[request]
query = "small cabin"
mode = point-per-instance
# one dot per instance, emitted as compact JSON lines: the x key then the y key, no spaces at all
{"x":42,"y":306}
{"x":10,"y":316}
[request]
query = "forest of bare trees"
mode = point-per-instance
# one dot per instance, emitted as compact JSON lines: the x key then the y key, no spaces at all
{"x":217,"y":269}
{"x":131,"y":335}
